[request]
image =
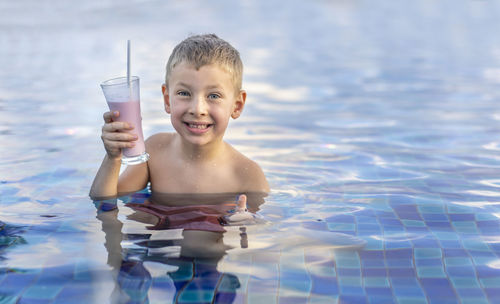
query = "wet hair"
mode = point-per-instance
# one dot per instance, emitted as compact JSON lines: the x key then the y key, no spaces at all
{"x":201,"y":50}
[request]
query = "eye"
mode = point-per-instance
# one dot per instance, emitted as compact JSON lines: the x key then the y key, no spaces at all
{"x":183,"y":93}
{"x":214,"y":96}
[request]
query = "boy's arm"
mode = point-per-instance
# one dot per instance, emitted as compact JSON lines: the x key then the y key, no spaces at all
{"x":107,"y":183}
{"x":255,"y":180}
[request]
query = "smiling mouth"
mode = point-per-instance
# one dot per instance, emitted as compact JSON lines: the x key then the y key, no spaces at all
{"x":198,"y":126}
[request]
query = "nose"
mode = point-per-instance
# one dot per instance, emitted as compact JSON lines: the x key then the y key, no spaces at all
{"x":198,"y":106}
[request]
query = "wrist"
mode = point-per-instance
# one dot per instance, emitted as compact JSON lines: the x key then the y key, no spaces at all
{"x":114,"y":159}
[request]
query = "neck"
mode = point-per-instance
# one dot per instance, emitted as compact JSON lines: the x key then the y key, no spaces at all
{"x":197,"y":153}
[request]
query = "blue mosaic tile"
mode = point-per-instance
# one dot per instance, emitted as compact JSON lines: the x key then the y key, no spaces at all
{"x":385,"y":214}
{"x":353,"y":298}
{"x":401,"y":272}
{"x":437,"y":287}
{"x":444,"y":226}
{"x":14,"y":283}
{"x":400,"y":263}
{"x":493,"y":294}
{"x":408,"y":300}
{"x":426,"y":253}
{"x":378,"y":291}
{"x":295,"y":284}
{"x":414,"y":223}
{"x":387,"y":222}
{"x":461,"y":271}
{"x":373,"y":244}
{"x":465,"y":227}
{"x":348,"y":271}
{"x":488,"y":224}
{"x":83,"y":293}
{"x":366,"y":220}
{"x":9,"y":299}
{"x":403,"y":282}
{"x":409,"y":216}
{"x":431,"y":272}
{"x":399,"y":254}
{"x":428,"y":262}
{"x":446,"y":235}
{"x":324,"y":285}
{"x":443,"y":300}
{"x":475,"y":301}
{"x":397,"y":245}
{"x":457,"y":261}
{"x":466,"y":282}
{"x":225,"y":297}
{"x":33,"y":301}
{"x":434,"y":217}
{"x":408,"y":291}
{"x":374,"y":254}
{"x":462,"y":217}
{"x":341,"y":218}
{"x":292,"y":299}
{"x":491,"y":282}
{"x":485,"y":216}
{"x":427,"y":242}
{"x":470,"y":292}
{"x":196,"y":296}
{"x":405,"y":208}
{"x":484,"y":271}
{"x":475,"y":245}
{"x":431,"y":209}
{"x":451,"y":244}
{"x":455,"y":252}
{"x":348,"y":263}
{"x":381,"y":300}
{"x":341,"y":227}
{"x":38,"y":291}
{"x":374,"y":272}
{"x":376,"y":281}
{"x":371,"y":228}
{"x":373,"y":263}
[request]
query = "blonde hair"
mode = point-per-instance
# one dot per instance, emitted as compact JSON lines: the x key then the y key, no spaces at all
{"x":201,"y":50}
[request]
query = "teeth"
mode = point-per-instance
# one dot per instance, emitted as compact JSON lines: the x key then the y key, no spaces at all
{"x":198,"y":126}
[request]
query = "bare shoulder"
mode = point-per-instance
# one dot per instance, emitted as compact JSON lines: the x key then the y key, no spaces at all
{"x":249,"y":173}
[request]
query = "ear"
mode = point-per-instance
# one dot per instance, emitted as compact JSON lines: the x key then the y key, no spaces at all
{"x":239,"y":104}
{"x":166,"y":97}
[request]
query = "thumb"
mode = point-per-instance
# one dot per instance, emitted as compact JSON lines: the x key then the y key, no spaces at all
{"x":242,"y":202}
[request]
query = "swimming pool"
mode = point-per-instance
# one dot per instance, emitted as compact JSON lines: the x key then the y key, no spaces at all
{"x":376,"y":124}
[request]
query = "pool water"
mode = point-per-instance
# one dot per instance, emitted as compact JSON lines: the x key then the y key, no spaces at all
{"x":376,"y":125}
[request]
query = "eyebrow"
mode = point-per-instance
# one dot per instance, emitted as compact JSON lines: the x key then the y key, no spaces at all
{"x":184,"y":84}
{"x":210,"y":87}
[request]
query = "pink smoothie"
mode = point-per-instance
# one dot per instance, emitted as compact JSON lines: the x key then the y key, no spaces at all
{"x":130,"y":112}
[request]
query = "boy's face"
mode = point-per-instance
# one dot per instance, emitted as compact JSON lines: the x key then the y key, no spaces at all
{"x":201,"y":102}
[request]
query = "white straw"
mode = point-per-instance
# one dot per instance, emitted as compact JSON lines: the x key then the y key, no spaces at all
{"x":128,"y":62}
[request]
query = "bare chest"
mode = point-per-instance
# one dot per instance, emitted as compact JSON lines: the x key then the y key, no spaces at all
{"x":173,"y":176}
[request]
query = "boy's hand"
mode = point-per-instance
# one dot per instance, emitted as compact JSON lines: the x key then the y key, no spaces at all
{"x":115,"y":136}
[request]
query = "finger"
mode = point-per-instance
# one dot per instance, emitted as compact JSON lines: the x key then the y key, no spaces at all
{"x":119,"y":136}
{"x":117,"y":126}
{"x":117,"y":145}
{"x":110,"y":116}
{"x":242,"y":202}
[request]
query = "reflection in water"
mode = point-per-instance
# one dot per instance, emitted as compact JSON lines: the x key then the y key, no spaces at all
{"x":189,"y":259}
{"x":173,"y":244}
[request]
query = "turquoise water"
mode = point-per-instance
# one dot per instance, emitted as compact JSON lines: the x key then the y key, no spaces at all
{"x":376,"y":124}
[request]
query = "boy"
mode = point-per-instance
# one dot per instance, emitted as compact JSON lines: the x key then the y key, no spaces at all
{"x":202,"y":90}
